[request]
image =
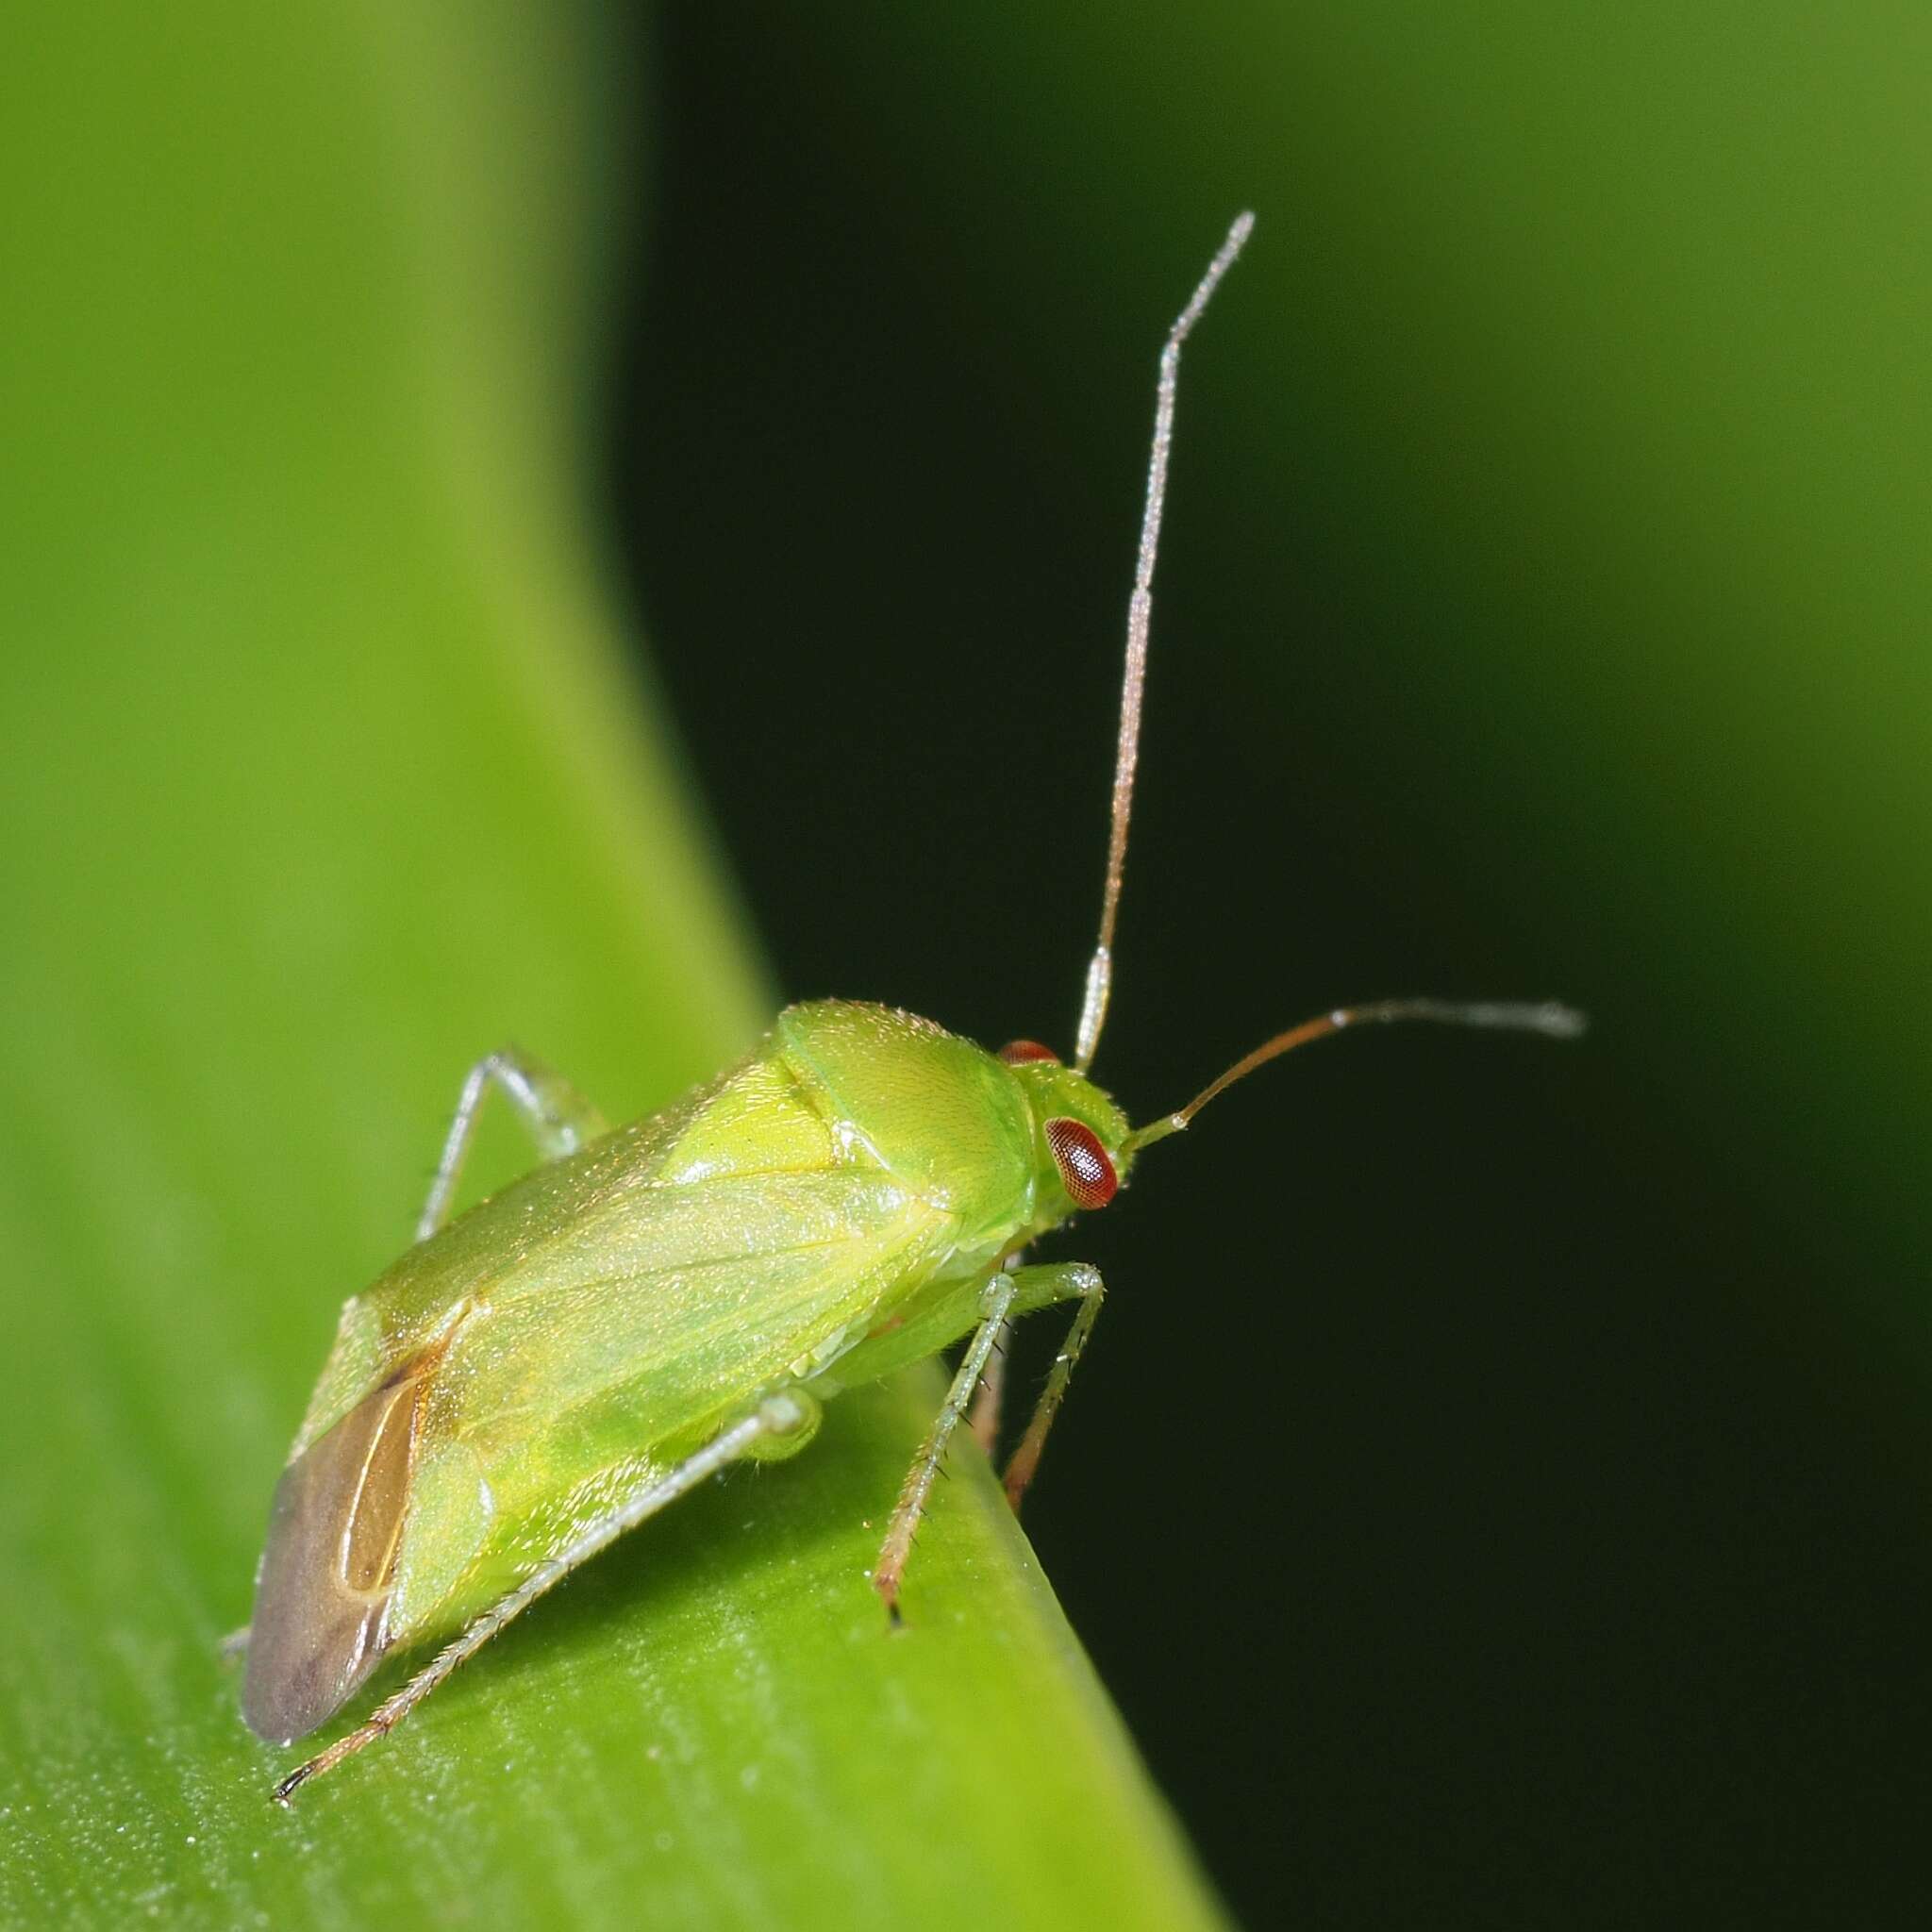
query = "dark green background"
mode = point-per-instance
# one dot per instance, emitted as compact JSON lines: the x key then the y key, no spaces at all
{"x":1498,"y":1492}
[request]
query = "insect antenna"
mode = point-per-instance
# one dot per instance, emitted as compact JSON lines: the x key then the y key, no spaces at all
{"x":1548,"y":1018}
{"x":1139,"y":617}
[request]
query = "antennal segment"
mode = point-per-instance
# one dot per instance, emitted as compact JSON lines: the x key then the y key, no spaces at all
{"x":1552,"y":1020}
{"x":1140,"y":620}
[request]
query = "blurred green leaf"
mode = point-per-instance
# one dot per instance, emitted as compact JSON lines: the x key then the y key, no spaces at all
{"x":1585,"y":355}
{"x":321,"y":774}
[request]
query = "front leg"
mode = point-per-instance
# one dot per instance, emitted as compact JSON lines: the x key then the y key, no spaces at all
{"x":1004,"y":1296}
{"x":987,"y":1405}
{"x":995,"y":1306}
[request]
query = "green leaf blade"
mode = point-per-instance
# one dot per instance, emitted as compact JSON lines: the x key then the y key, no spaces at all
{"x":324,"y":776}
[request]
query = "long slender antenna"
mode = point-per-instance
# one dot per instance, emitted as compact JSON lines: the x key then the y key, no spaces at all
{"x":1140,"y":619}
{"x":1554,"y":1021}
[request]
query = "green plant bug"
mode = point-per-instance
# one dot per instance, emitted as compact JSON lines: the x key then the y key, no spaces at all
{"x":651,"y":1304}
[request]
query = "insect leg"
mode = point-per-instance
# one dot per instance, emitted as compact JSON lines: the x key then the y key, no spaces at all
{"x":559,"y":1119}
{"x":776,"y":1416}
{"x":988,"y":1406}
{"x":1076,"y":1279}
{"x":984,"y":1420}
{"x":999,"y":1294}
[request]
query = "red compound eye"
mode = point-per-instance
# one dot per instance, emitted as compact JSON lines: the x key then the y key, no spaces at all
{"x":1016,"y":1053}
{"x":1086,"y":1173}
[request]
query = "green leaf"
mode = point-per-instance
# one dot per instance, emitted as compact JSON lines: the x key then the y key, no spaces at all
{"x":323,"y":774}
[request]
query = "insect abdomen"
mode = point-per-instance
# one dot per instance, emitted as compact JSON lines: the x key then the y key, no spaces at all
{"x":327,"y":1571}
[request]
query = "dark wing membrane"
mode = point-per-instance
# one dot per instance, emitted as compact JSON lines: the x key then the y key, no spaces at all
{"x":321,"y":1598}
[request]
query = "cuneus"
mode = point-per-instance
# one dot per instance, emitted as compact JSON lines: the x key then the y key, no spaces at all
{"x":650,"y":1305}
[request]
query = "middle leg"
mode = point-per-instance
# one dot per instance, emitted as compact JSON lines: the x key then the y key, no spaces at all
{"x":1026,"y":1459}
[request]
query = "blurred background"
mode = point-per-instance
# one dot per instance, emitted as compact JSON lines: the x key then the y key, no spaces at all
{"x":1498,"y":1490}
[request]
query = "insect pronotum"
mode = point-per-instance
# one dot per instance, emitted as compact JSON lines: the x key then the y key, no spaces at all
{"x":654,"y":1302}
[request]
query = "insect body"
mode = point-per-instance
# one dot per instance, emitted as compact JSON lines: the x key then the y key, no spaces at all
{"x":541,"y":1374}
{"x":837,"y":1204}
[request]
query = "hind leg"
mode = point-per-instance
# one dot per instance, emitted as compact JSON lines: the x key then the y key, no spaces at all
{"x":559,"y":1119}
{"x":778,"y":1416}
